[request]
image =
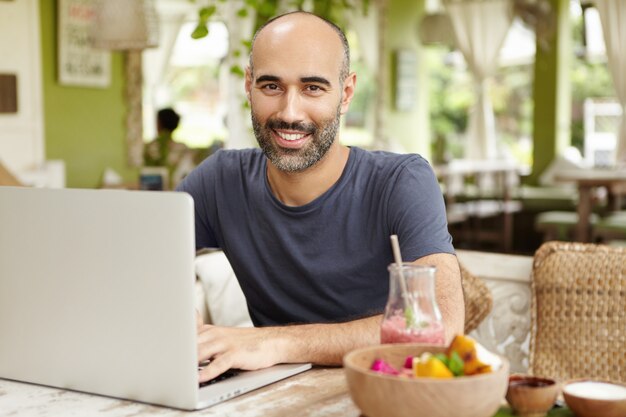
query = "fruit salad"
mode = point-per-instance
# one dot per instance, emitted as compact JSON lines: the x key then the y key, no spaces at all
{"x":459,"y":359}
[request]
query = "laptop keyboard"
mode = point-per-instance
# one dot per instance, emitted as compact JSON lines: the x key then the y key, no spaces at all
{"x":228,"y":374}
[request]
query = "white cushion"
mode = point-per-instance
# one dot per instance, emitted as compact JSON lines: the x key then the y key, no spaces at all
{"x":225,"y":301}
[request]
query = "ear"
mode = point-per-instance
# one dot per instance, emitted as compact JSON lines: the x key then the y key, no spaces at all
{"x":248,"y":83}
{"x":349,"y":85}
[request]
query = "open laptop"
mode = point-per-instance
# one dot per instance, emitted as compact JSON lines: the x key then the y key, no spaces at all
{"x":97,"y":295}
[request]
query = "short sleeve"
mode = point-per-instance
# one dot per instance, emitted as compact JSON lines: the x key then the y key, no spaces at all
{"x":199,"y":185}
{"x":416,"y":211}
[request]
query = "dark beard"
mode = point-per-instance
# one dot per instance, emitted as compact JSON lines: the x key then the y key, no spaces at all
{"x":296,"y":160}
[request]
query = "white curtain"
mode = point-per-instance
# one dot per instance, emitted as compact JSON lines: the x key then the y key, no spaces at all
{"x":480,"y":27}
{"x":613,"y":18}
{"x":155,"y":62}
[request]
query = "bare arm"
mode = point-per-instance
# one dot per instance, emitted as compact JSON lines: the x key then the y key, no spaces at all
{"x":256,"y":348}
{"x":449,"y":292}
{"x":323,"y":344}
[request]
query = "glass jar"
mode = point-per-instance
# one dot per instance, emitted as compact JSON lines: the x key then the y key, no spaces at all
{"x":412,"y":316}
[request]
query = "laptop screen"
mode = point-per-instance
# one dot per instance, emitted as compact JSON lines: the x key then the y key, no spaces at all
{"x":97,"y":292}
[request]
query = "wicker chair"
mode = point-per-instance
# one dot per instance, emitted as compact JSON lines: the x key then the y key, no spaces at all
{"x":578,"y":312}
{"x":478,"y":299}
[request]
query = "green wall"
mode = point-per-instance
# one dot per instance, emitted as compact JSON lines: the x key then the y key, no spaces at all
{"x":410,"y":128}
{"x":83,"y":126}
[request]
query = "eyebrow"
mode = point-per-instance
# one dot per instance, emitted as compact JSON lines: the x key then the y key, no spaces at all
{"x":319,"y":80}
{"x":264,"y":78}
{"x":312,"y":79}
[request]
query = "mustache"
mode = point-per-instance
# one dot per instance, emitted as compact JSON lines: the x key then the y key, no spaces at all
{"x":306,"y":128}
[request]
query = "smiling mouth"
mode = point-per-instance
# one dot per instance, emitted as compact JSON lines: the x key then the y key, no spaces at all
{"x":291,"y":137}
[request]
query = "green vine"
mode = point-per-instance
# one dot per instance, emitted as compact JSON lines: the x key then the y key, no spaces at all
{"x":263,"y":10}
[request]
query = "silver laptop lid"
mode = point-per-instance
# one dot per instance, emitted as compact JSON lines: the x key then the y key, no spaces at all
{"x":96,"y":292}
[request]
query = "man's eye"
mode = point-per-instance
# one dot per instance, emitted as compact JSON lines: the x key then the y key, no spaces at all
{"x":269,"y":87}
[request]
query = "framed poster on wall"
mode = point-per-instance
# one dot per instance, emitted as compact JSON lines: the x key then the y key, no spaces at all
{"x":405,"y":79}
{"x":79,"y":64}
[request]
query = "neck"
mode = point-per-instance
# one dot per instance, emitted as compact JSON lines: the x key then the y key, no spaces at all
{"x":300,"y":188}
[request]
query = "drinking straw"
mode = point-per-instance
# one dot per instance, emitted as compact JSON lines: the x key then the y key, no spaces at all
{"x":395,"y":245}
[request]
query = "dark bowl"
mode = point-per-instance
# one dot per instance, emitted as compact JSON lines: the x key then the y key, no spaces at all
{"x":531,"y":396}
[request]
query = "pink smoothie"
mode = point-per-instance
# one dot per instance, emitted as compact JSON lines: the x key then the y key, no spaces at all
{"x":393,"y":330}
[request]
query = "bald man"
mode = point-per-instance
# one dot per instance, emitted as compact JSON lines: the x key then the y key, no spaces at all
{"x":305,"y":221}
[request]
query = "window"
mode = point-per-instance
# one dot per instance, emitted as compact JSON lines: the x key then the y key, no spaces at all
{"x":193,"y":83}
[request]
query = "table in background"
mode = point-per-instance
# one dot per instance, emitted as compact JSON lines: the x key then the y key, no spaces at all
{"x":318,"y":392}
{"x":614,"y":180}
{"x":494,"y":182}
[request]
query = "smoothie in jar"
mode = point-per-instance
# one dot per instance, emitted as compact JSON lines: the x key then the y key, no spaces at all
{"x":412,"y":314}
{"x":394,"y":330}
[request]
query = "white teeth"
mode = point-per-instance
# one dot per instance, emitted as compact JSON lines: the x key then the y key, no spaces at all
{"x":291,"y":136}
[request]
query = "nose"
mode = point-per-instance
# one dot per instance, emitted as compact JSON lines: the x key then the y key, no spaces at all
{"x":291,"y":107}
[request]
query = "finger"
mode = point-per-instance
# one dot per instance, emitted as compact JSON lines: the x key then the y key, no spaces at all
{"x":209,"y":343}
{"x":207,"y":333}
{"x":218,"y":366}
{"x":210,"y":350}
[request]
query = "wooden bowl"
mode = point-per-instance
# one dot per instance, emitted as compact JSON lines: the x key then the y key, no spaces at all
{"x":379,"y":395}
{"x":531,"y":396}
{"x":601,"y":398}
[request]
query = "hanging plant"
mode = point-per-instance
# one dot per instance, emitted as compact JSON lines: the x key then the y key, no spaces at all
{"x":263,"y":10}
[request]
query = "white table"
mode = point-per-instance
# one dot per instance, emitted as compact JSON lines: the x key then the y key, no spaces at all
{"x":318,"y":392}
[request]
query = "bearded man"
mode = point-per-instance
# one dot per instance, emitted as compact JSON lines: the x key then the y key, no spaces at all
{"x":304,"y":220}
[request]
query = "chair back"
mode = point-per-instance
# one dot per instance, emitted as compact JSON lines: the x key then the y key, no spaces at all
{"x":578,"y":312}
{"x":478,"y":299}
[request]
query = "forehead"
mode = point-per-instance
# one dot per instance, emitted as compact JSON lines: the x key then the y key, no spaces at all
{"x":298,"y":45}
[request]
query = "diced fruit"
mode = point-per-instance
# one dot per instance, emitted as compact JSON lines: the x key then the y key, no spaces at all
{"x":432,"y":367}
{"x":408,"y":362}
{"x":460,"y":358}
{"x":455,"y":364}
{"x":383,"y":367}
{"x":465,"y":347}
{"x":485,"y":369}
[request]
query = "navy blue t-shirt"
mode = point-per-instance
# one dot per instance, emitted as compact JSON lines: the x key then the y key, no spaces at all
{"x":325,"y":261}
